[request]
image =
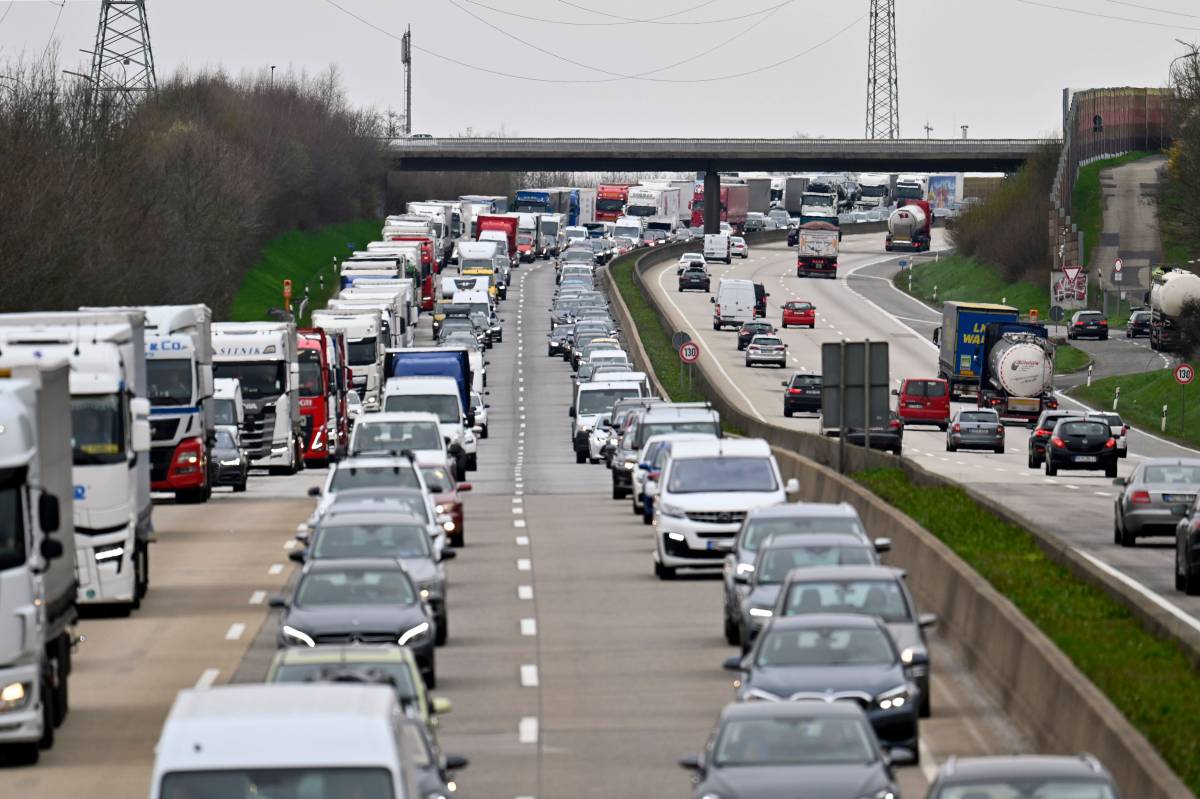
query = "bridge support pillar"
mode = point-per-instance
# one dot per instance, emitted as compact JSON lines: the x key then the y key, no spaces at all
{"x":712,"y":201}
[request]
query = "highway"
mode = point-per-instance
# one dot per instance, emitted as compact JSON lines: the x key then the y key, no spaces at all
{"x":572,"y":670}
{"x":863,"y":304}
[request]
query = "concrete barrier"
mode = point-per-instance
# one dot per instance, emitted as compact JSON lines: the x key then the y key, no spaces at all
{"x":1036,"y":684}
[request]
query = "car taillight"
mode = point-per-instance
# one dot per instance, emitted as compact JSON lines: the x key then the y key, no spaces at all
{"x":894,"y":424}
{"x":1125,"y":430}
{"x":1052,"y":404}
{"x":1140,"y":497}
{"x":1041,"y":432}
{"x":1079,"y":324}
{"x":1112,"y":442}
{"x":794,"y":391}
{"x":1104,"y":322}
{"x":1057,"y":442}
{"x":653,"y":475}
{"x":957,"y":428}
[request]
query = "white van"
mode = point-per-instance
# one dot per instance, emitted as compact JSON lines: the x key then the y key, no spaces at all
{"x":439,"y":396}
{"x":317,"y":739}
{"x":717,"y":248}
{"x":592,"y":402}
{"x":734,"y":303}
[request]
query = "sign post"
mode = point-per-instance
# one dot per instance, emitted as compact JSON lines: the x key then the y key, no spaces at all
{"x":689,"y":353}
{"x":287,"y":295}
{"x":1184,"y":374}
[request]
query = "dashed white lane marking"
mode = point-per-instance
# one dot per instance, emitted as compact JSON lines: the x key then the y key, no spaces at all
{"x":1049,"y":480}
{"x":518,"y":510}
{"x":518,"y":523}
{"x":258,"y":597}
{"x":529,"y":675}
{"x":235,"y":631}
{"x":524,"y":592}
{"x":522,"y":540}
{"x":276,"y":568}
{"x":1073,"y":488}
{"x":1102,"y":493}
{"x":207,"y":678}
{"x":527,"y":733}
{"x":929,"y":766}
{"x":517,"y":500}
{"x":291,"y":544}
{"x":529,"y":627}
{"x":524,"y":564}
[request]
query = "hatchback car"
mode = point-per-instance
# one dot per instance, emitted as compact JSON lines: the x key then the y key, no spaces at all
{"x":886,"y":437}
{"x":695,"y":277}
{"x":924,"y":401}
{"x":1042,"y":429}
{"x":767,"y":749}
{"x":231,"y":462}
{"x":1154,"y":498}
{"x":447,"y":493}
{"x":1081,"y":444}
{"x":751,"y":329}
{"x":1118,"y":428}
{"x":976,"y":429}
{"x":1138,"y":324}
{"x":766,"y":351}
{"x":802,"y":394}
{"x":1081,"y":777}
{"x":799,"y":313}
{"x":739,"y":247}
{"x":1088,"y":324}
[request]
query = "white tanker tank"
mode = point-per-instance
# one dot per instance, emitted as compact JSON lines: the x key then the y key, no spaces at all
{"x":909,"y":227}
{"x":1021,"y":365}
{"x":1173,"y":291}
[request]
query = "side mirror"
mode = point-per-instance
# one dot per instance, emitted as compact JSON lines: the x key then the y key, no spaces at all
{"x":883,"y":545}
{"x":895,"y":392}
{"x":571,"y":411}
{"x":784,"y":383}
{"x":456,"y":762}
{"x":48,"y":513}
{"x":733,"y":663}
{"x":927,"y":620}
{"x":441,"y":705}
{"x":302,"y":535}
{"x":712,"y":300}
{"x":51,"y":548}
{"x":792,"y":488}
{"x":314,"y":491}
{"x":277,"y":602}
{"x":645,"y":466}
{"x":1032,"y":425}
{"x":1120,"y":481}
{"x":297,"y":555}
{"x":140,"y":408}
{"x":690,"y":762}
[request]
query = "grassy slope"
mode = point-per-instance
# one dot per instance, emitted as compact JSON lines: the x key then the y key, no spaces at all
{"x":958,"y":277}
{"x":1142,"y":398}
{"x":1086,"y":210}
{"x":1069,"y":359}
{"x":1149,"y":679}
{"x":299,"y":256}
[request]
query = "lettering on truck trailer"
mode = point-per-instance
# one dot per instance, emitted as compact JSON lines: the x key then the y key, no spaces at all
{"x":267,"y":350}
{"x":164,"y":345}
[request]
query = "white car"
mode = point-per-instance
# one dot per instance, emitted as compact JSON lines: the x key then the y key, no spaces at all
{"x":650,"y":462}
{"x":739,"y":247}
{"x":688,"y":258}
{"x":396,"y":432}
{"x":437,"y":395}
{"x":480,"y":409}
{"x":704,"y":492}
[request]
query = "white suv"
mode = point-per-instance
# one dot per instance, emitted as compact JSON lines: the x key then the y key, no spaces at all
{"x":704,"y":493}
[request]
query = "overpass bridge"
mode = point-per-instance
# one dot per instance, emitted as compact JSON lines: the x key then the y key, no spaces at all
{"x":710,"y":155}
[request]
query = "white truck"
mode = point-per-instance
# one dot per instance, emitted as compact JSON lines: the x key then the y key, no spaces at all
{"x":629,"y":227}
{"x":180,"y":389}
{"x":656,"y":206}
{"x":391,"y":302}
{"x":264,"y":358}
{"x":875,"y":190}
{"x":441,"y":214}
{"x":37,"y":554}
{"x":550,"y":234}
{"x":819,"y":207}
{"x":365,"y":349}
{"x":228,"y":409}
{"x":110,"y":425}
{"x":405,"y":290}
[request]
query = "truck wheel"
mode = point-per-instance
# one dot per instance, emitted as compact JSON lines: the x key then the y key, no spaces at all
{"x":142,"y":570}
{"x":48,"y":712}
{"x":472,"y":462}
{"x":579,"y":457}
{"x":1111,"y":471}
{"x":716,"y":325}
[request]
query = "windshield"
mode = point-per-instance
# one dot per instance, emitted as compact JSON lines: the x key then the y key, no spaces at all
{"x":311,"y":384}
{"x":611,"y":206}
{"x":774,"y":564}
{"x":259,"y":379}
{"x":1034,"y":788}
{"x":372,"y":541}
{"x":640,"y":210}
{"x":437,"y":479}
{"x":825,"y":200}
{"x":793,"y":741}
{"x":1083,"y":429}
{"x":12,"y":519}
{"x":476,"y":263}
{"x":873,"y":191}
{"x":373,"y":477}
{"x":720,"y":474}
{"x":826,"y":646}
{"x":909,"y":192}
{"x":444,"y":406}
{"x":649,"y":431}
{"x":551,"y":228}
{"x":225,"y":411}
{"x":169,"y":382}
{"x":806,"y":381}
{"x":627,"y":231}
{"x":355,"y":587}
{"x":576,"y":233}
{"x":760,"y":530}
{"x":97,"y":429}
{"x":224,"y":440}
{"x":524,"y":238}
{"x":601,"y":400}
{"x":579,"y":256}
{"x":396,"y":436}
{"x":398,"y":671}
{"x":869,"y":597}
{"x":362,"y":352}
{"x":311,"y":783}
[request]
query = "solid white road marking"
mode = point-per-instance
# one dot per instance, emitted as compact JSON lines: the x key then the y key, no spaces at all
{"x":207,"y":678}
{"x":529,"y":675}
{"x":1143,"y":590}
{"x":235,"y":631}
{"x":1102,"y":493}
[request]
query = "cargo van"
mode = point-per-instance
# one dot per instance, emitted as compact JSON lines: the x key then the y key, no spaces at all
{"x":924,"y":401}
{"x":717,"y":248}
{"x":735,"y":303}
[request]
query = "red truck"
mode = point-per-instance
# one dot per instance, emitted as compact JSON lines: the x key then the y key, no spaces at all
{"x":504,"y":224}
{"x":322,"y":395}
{"x":735,"y":202}
{"x":610,"y":201}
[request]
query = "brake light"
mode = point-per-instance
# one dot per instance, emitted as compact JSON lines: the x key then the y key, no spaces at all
{"x":1079,"y":324}
{"x":1104,"y":322}
{"x":1140,"y":497}
{"x":1057,"y":442}
{"x":957,"y":428}
{"x":793,"y":391}
{"x":1112,"y":442}
{"x":894,"y":424}
{"x":1052,"y":404}
{"x":653,"y":475}
{"x":1041,"y":432}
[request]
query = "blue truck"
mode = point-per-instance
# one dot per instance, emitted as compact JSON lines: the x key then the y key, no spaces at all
{"x":543,"y":201}
{"x":434,"y":362}
{"x":962,"y":339}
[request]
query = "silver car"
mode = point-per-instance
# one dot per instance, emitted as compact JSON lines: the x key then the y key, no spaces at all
{"x":1154,"y":498}
{"x":766,"y":350}
{"x":1118,"y":428}
{"x":976,"y":429}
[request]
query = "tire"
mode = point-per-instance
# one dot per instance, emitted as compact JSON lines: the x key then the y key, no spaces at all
{"x":1051,"y":469}
{"x":240,"y":488}
{"x":48,"y":713}
{"x":944,"y":426}
{"x":1031,"y":461}
{"x":430,"y":678}
{"x":472,"y":462}
{"x":458,"y":540}
{"x":999,"y":450}
{"x":950,"y":447}
{"x":787,"y":412}
{"x":663,"y":572}
{"x":732,"y":634}
{"x":716,"y":325}
{"x":1191,"y":582}
{"x":783,"y":325}
{"x":637,"y":506}
{"x":483,"y":432}
{"x":926,"y":709}
{"x":1125,"y":538}
{"x":142,"y":584}
{"x":580,"y":457}
{"x":1104,"y":337}
{"x":1111,"y":471}
{"x":647,"y":518}
{"x":62,"y":697}
{"x":618,"y":492}
{"x":443,"y":630}
{"x":1180,"y":579}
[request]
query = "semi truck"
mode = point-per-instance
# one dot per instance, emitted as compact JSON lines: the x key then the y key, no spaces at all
{"x":496,"y":227}
{"x":38,"y":584}
{"x":911,"y":187}
{"x":875,"y":191}
{"x":1016,"y":371}
{"x":1170,"y":291}
{"x":758,"y":194}
{"x":365,"y":346}
{"x":611,"y":199}
{"x":819,"y":206}
{"x":817,"y":250}
{"x":320,"y":390}
{"x":110,"y":426}
{"x":910,"y":227}
{"x":581,"y":204}
{"x":794,"y":187}
{"x":550,"y":234}
{"x":541,"y":201}
{"x":263,"y":356}
{"x":960,"y":340}
{"x":733,"y":200}
{"x":493,"y":203}
{"x":656,"y":206}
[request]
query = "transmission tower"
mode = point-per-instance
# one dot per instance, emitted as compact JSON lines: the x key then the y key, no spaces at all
{"x":122,"y":62}
{"x":406,"y":59}
{"x":883,"y":80}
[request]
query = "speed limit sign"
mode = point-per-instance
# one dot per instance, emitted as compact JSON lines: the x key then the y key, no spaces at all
{"x":689,"y":352}
{"x":1184,"y":374}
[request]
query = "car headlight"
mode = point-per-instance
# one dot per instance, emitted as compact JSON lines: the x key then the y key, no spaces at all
{"x":759,"y":695}
{"x":429,"y":588}
{"x":415,"y":634}
{"x":762,"y":613}
{"x":299,"y":636}
{"x":911,"y":654}
{"x":629,"y":466}
{"x":672,"y":510}
{"x":15,"y":696}
{"x":744,"y":569}
{"x":882,"y":793}
{"x":234,"y":462}
{"x":895,"y":698}
{"x":440,"y":508}
{"x":585,"y":428}
{"x":110,"y":552}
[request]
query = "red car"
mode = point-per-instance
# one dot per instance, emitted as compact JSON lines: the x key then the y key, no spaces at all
{"x":799,"y":313}
{"x":445,"y":491}
{"x":924,"y":401}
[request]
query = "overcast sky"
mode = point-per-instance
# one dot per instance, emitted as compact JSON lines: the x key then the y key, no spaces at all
{"x":997,"y":65}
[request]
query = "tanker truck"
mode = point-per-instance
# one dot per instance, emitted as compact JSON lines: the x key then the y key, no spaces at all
{"x":909,"y":227}
{"x":1016,"y":373}
{"x":1170,"y":291}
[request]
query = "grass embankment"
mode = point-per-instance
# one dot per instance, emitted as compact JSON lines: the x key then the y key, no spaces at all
{"x":1149,"y":679}
{"x":957,"y":277}
{"x":1142,"y":397}
{"x":1086,"y":207}
{"x":663,"y":357}
{"x":299,"y":256}
{"x":1068,"y":359}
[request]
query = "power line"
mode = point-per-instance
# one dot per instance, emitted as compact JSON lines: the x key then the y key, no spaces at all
{"x":631,"y":19}
{"x":1151,"y":8}
{"x":1081,"y":12}
{"x":621,"y":21}
{"x":50,"y":38}
{"x":3,"y":17}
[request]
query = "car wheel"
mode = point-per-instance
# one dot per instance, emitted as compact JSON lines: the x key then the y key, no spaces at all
{"x":1104,"y":337}
{"x":716,"y":325}
{"x":443,"y":630}
{"x":943,"y":426}
{"x":648,"y":515}
{"x":618,"y":492}
{"x":926,"y":709}
{"x":580,"y":457}
{"x":483,"y":432}
{"x":663,"y":572}
{"x":1180,"y":579}
{"x":999,"y":450}
{"x":472,"y":462}
{"x":1111,"y":471}
{"x":1191,"y":581}
{"x":1125,"y":538}
{"x":1032,"y":461}
{"x":949,"y":447}
{"x":787,"y":412}
{"x":783,"y":325}
{"x":430,"y":678}
{"x":732,"y":634}
{"x":1051,"y":469}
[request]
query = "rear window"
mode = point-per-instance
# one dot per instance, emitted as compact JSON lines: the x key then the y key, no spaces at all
{"x":1090,"y":316}
{"x":978,"y":416}
{"x":1083,"y":429}
{"x":925,"y":388}
{"x":799,"y":306}
{"x":806,"y":380}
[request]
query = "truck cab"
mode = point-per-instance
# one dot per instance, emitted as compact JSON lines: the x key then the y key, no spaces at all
{"x":318,"y":398}
{"x":365,"y":347}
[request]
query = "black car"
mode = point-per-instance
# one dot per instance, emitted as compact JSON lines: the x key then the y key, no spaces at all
{"x":769,"y":749}
{"x":1043,"y":428}
{"x":1139,"y":324}
{"x":1081,"y":444}
{"x":1088,"y":324}
{"x":831,"y":657}
{"x":793,"y":237}
{"x":889,"y":438}
{"x":752,"y":329}
{"x":694,"y":277}
{"x":232,"y":463}
{"x":1023,"y":775}
{"x":556,"y":343}
{"x":802,"y":394}
{"x":369,"y":601}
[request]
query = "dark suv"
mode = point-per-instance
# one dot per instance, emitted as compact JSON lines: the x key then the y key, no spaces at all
{"x":1023,"y":775}
{"x":1082,"y":444}
{"x":751,"y":329}
{"x":1088,"y":324}
{"x":694,"y":277}
{"x":802,"y":394}
{"x":1043,"y":428}
{"x":1139,"y":324}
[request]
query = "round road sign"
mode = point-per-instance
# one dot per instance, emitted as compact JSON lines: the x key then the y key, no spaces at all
{"x":679,"y":338}
{"x":1056,"y":313}
{"x":689,"y":352}
{"x":1117,"y":265}
{"x":1184,"y":374}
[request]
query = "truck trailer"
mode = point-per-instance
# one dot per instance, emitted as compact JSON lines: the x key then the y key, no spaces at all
{"x":961,"y":339}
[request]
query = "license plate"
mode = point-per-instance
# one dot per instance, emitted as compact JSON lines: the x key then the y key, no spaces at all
{"x":1085,"y":458}
{"x":913,"y":405}
{"x":1188,"y":498}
